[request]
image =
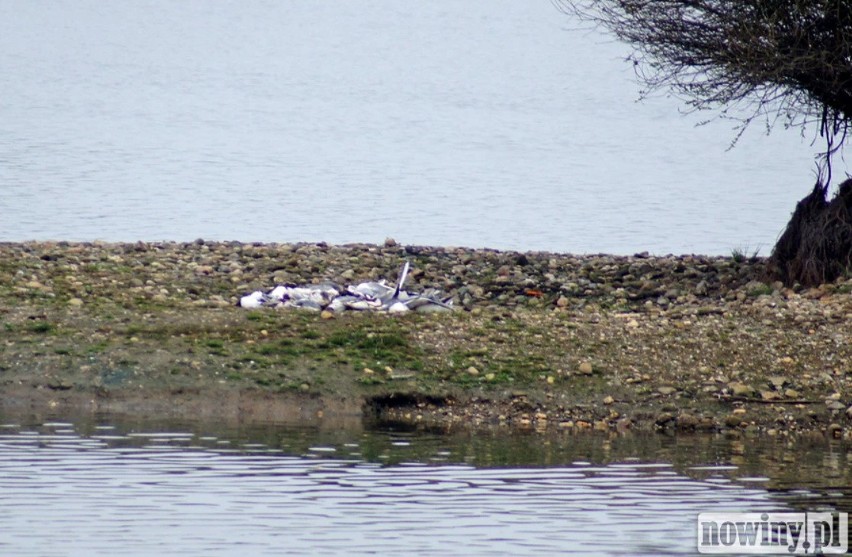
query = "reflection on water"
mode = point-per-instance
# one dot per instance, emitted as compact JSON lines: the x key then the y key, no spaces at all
{"x":91,"y":487}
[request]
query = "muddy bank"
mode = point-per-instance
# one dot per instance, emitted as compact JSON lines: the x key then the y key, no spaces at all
{"x":541,"y":340}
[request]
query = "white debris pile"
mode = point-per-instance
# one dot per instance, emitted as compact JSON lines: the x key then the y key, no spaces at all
{"x":367,"y":296}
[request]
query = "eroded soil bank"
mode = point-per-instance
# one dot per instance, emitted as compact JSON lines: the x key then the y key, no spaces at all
{"x":541,"y":340}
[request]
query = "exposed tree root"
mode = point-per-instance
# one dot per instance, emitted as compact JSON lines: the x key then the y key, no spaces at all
{"x":816,"y":246}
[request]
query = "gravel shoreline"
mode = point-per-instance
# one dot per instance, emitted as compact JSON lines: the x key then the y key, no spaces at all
{"x":540,"y":341}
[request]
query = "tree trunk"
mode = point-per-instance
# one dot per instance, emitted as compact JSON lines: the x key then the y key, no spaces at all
{"x":816,"y":246}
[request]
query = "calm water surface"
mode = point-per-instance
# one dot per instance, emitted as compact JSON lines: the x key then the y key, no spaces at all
{"x":97,"y":486}
{"x":480,"y":123}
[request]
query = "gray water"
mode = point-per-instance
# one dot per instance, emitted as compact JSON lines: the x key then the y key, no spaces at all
{"x":483,"y":123}
{"x":105,"y":485}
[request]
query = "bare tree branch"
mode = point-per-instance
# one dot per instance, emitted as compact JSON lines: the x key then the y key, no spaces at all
{"x":784,"y":61}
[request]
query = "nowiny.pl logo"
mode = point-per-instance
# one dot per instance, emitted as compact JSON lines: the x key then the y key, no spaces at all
{"x":771,"y":533}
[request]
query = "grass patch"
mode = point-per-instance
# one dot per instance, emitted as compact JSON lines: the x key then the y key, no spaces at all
{"x":42,"y":327}
{"x":97,"y":347}
{"x":763,"y":289}
{"x":741,"y":255}
{"x":376,"y":345}
{"x":369,"y":345}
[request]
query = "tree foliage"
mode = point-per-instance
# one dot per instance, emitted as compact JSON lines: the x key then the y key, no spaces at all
{"x":788,"y":61}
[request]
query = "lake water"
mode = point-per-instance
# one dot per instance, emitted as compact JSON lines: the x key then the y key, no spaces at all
{"x":484,"y":123}
{"x":106,"y":485}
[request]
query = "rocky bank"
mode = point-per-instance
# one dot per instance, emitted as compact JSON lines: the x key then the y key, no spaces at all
{"x":541,"y":340}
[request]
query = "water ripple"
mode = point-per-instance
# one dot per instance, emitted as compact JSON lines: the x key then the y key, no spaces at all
{"x":168,"y":492}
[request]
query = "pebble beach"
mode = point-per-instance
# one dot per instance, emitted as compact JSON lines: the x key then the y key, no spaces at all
{"x":539,"y":341}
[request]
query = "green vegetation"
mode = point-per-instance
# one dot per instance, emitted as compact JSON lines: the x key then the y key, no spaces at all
{"x":741,"y":255}
{"x":762,"y":290}
{"x":41,"y":327}
{"x":149,"y":330}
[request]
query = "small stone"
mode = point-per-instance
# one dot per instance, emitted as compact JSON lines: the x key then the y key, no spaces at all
{"x":739,"y":411}
{"x":791,"y":393}
{"x":368,"y":371}
{"x":550,"y":379}
{"x":769,"y":395}
{"x":834,"y":405}
{"x":849,"y":412}
{"x":663,"y":418}
{"x":632,"y":324}
{"x":585,"y":368}
{"x":390,"y":243}
{"x":665,"y":390}
{"x":741,"y":389}
{"x":61,"y":385}
{"x":777,"y":381}
{"x":325,"y":314}
{"x":732,"y":421}
{"x":687,"y":421}
{"x":472,"y":370}
{"x":562,"y":302}
{"x":608,"y":400}
{"x":75,"y":302}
